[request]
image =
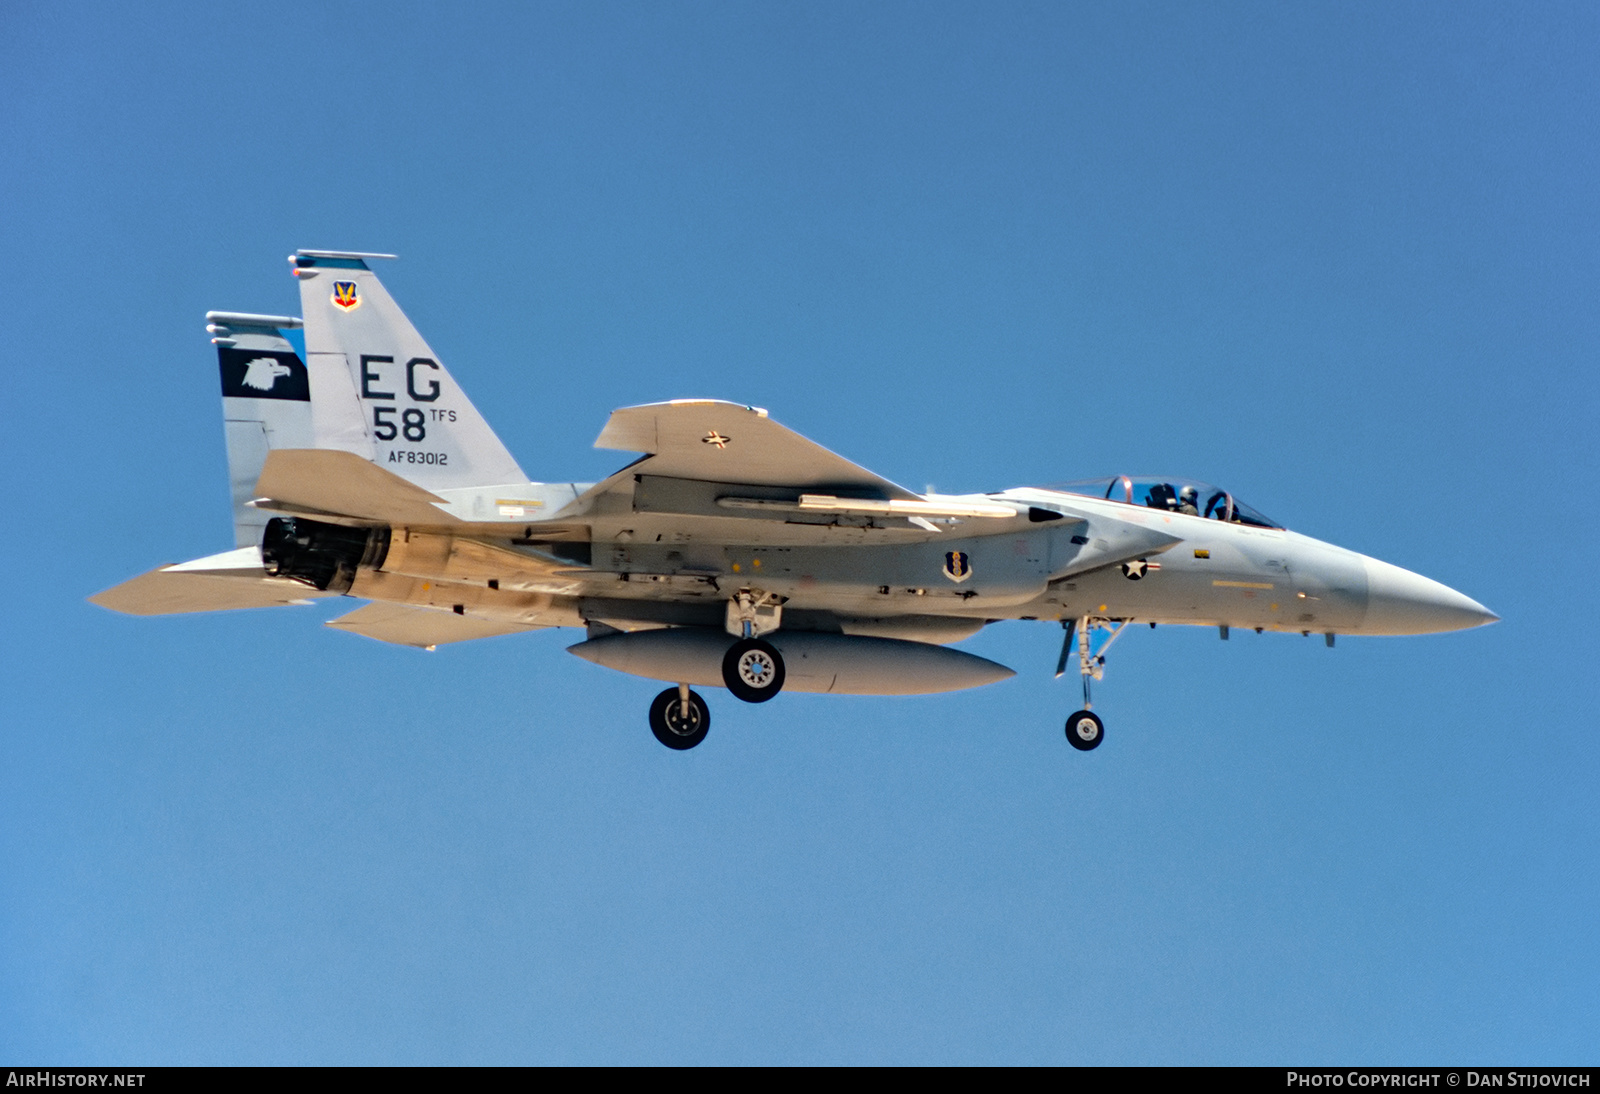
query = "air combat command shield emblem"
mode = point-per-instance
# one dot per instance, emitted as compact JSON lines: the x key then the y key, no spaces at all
{"x":345,"y":297}
{"x":957,"y":566}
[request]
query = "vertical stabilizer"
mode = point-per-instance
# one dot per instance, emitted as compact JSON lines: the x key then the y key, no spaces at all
{"x":266,"y":402}
{"x":379,"y":391}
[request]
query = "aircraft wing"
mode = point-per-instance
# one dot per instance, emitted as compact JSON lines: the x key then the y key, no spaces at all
{"x":715,"y":441}
{"x":233,"y":579}
{"x":422,"y":627}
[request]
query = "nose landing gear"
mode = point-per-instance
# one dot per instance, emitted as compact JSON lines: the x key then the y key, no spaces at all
{"x":1084,"y":729}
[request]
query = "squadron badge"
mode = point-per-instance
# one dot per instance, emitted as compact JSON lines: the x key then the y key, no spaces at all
{"x":957,"y":566}
{"x":345,"y":297}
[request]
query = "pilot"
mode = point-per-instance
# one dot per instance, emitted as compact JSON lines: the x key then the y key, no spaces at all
{"x":1188,"y":499}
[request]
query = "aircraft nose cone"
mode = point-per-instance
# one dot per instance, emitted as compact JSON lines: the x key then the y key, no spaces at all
{"x":1401,"y":602}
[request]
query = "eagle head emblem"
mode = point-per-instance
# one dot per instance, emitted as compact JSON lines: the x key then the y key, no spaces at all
{"x":263,"y":372}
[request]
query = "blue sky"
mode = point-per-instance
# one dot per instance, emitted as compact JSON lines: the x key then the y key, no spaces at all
{"x":1340,"y":258}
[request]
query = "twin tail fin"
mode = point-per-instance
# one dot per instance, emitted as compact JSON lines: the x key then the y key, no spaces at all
{"x":378,"y":390}
{"x":266,"y":402}
{"x":352,"y":375}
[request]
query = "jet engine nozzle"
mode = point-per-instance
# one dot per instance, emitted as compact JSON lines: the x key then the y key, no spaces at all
{"x":325,"y":556}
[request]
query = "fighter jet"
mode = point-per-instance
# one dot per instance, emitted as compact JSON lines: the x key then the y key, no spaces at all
{"x":732,"y":552}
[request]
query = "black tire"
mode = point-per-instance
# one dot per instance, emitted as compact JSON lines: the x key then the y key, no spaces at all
{"x":669,"y":726}
{"x":753,"y":670}
{"x":1085,"y":731}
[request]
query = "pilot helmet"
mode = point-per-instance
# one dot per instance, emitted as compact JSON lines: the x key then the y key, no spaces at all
{"x":1189,"y":494}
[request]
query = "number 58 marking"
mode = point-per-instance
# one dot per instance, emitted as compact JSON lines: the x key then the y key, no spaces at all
{"x":412,"y":424}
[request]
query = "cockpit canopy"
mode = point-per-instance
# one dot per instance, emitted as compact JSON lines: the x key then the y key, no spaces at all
{"x":1211,"y":502}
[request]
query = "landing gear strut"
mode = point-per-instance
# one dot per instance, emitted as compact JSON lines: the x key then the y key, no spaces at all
{"x":752,"y":668}
{"x":679,"y":718}
{"x":1085,"y":730}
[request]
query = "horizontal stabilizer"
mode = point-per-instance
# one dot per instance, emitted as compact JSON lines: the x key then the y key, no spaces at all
{"x":233,"y":579}
{"x":328,"y":482}
{"x":725,"y":442}
{"x":421,"y":627}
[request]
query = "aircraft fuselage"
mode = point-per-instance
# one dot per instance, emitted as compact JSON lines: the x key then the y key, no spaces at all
{"x":1059,"y":556}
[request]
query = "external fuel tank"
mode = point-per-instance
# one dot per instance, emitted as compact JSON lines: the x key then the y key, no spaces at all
{"x":841,"y":664}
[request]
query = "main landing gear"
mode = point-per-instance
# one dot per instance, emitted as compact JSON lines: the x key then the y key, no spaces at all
{"x":1085,"y":730}
{"x":752,"y":670}
{"x":679,"y":718}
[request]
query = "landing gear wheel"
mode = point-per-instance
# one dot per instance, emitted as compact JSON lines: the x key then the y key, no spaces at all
{"x":675,"y":728}
{"x":753,"y":670}
{"x":1085,"y":731}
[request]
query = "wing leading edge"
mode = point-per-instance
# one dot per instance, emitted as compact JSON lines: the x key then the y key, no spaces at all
{"x":716,"y":441}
